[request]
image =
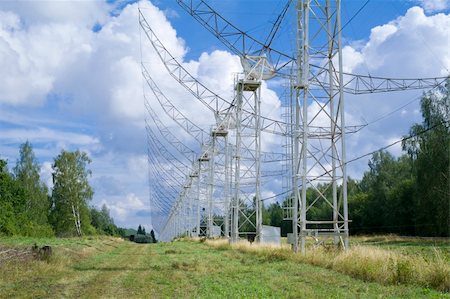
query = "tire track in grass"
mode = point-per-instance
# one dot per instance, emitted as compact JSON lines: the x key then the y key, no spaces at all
{"x":101,"y":269}
{"x":160,"y":271}
{"x":156,"y":275}
{"x":76,"y":277}
{"x":128,"y":283}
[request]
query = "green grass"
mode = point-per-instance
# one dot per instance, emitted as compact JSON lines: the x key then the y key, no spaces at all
{"x":110,"y":268}
{"x":375,"y":263}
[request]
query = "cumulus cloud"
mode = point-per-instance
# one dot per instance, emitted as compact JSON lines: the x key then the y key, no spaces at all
{"x":121,"y":184}
{"x":46,"y":174}
{"x":434,"y":5}
{"x":36,"y":58}
{"x":124,"y":209}
{"x":413,"y":45}
{"x":86,"y":13}
{"x":47,"y":135}
{"x":55,"y":64}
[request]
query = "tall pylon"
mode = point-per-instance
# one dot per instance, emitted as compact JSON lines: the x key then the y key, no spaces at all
{"x":221,"y":177}
{"x":218,"y":186}
{"x":246,"y":211}
{"x":247,"y":203}
{"x":319,"y":135}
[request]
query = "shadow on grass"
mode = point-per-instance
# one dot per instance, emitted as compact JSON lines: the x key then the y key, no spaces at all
{"x":129,"y":254}
{"x":120,"y":268}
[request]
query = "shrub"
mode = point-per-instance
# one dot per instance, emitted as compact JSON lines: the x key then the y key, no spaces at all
{"x":143,"y":239}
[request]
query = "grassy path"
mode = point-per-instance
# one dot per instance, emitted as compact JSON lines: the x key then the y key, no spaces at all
{"x":185,"y":270}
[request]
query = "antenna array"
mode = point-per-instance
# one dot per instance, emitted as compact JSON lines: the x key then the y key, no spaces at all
{"x":213,"y":189}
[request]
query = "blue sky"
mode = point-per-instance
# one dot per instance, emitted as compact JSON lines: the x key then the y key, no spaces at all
{"x":71,"y":79}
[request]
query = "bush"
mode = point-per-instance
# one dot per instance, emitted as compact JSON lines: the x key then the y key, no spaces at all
{"x":143,"y":239}
{"x":30,"y":229}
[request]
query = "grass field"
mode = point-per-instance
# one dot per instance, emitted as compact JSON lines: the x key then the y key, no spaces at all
{"x":426,"y":247}
{"x":112,"y":268}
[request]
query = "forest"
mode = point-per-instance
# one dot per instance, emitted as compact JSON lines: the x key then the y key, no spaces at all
{"x":27,"y":207}
{"x":406,"y":195}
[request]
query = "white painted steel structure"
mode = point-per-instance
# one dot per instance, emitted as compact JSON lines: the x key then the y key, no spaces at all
{"x":319,"y":137}
{"x":219,"y":184}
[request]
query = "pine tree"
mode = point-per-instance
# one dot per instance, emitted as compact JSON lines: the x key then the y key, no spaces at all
{"x":152,"y":234}
{"x":26,"y":173}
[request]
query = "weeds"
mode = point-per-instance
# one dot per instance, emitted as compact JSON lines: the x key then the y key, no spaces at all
{"x":185,"y":266}
{"x":368,"y":263}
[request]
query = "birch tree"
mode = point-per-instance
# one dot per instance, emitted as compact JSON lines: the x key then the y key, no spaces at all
{"x":71,"y":193}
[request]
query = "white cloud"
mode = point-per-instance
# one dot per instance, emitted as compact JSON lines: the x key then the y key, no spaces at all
{"x":413,"y":45}
{"x":434,"y":5}
{"x":268,"y":197}
{"x":129,"y":210}
{"x":126,"y":96}
{"x":97,"y":75}
{"x":46,"y":174}
{"x":32,"y":58}
{"x":216,"y":70}
{"x":137,"y":166}
{"x":47,"y":135}
{"x":87,"y":13}
{"x":352,"y":58}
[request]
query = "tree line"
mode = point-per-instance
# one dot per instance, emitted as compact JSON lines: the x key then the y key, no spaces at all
{"x":408,"y":195}
{"x":141,"y":236}
{"x":27,"y":208}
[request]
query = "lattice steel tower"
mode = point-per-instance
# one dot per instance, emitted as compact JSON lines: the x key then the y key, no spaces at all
{"x":319,"y":135}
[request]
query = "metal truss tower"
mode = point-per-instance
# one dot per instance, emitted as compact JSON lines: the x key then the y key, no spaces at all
{"x":247,"y":203}
{"x":218,"y":184}
{"x":220,"y":194}
{"x":319,"y":134}
{"x":203,"y":194}
{"x":246,"y":211}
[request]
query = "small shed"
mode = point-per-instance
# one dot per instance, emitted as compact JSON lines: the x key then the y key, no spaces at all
{"x":270,"y":235}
